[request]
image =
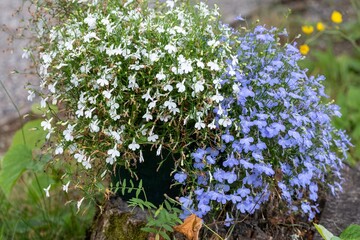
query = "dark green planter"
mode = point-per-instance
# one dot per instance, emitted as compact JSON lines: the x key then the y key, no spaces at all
{"x":156,"y":181}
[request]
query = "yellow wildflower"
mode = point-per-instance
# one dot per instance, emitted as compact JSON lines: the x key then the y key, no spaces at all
{"x":307,"y":29}
{"x":336,"y":17}
{"x":304,"y":49}
{"x":320,"y":26}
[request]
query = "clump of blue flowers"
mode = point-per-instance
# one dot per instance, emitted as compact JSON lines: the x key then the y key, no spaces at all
{"x":273,"y":135}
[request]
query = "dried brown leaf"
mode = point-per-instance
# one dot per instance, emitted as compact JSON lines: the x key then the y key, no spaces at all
{"x":190,"y":228}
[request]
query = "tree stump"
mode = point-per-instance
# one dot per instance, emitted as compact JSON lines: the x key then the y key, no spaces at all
{"x":341,"y":211}
{"x":118,"y":222}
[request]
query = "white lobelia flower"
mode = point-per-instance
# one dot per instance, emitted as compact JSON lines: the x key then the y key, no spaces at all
{"x":152,"y":104}
{"x":43,"y":102}
{"x":102,"y":81}
{"x":168,"y":88}
{"x":213,"y":43}
{"x":89,"y":36}
{"x":80,"y":156}
{"x":154,"y":57}
{"x":180,"y":30}
{"x":236,"y":88}
{"x":26,"y":54}
{"x":175,"y":70}
{"x":160,"y":76}
{"x":141,"y":157}
{"x":109,"y":26}
{"x":220,"y":110}
{"x":199,"y":124}
{"x":143,"y":130}
{"x":225,"y":121}
{"x":212,"y":125}
{"x":153,"y":138}
{"x":186,"y":120}
{"x":170,"y":4}
{"x":90,"y":21}
{"x":200,"y":64}
{"x":231,"y":71}
{"x":68,"y":133}
{"x":113,"y":152}
{"x":170,"y":48}
{"x":213,"y":65}
{"x":116,"y":136}
{"x":158,"y":151}
{"x":46,"y":124}
{"x":199,"y":86}
{"x":175,"y":110}
{"x":107,"y":93}
{"x":170,"y":104}
{"x":88,"y":113}
{"x":79,"y":203}
{"x":165,"y":118}
{"x":87,"y":164}
{"x":181,"y":86}
{"x":132,"y":82}
{"x":59,"y":150}
{"x":94,"y":126}
{"x":217,"y":98}
{"x":31,"y":95}
{"x":147,"y":95}
{"x":74,"y":80}
{"x":49,"y":133}
{"x":69,"y":45}
{"x":47,"y":191}
{"x":147,"y":116}
{"x":217,"y":83}
{"x":185,"y":67}
{"x":134,"y":146}
{"x":66,"y":187}
{"x":110,"y":160}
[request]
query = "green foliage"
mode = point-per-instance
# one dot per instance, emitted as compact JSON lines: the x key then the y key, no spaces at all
{"x":19,"y":157}
{"x":25,"y":212}
{"x":15,"y":162}
{"x":352,"y":232}
{"x":162,"y":219}
{"x":335,"y":53}
{"x":324,"y":232}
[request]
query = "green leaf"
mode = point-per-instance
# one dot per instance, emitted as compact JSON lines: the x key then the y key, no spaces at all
{"x":36,"y":109}
{"x":167,"y":227}
{"x":157,"y":212}
{"x":352,"y":232}
{"x":164,"y":235}
{"x":123,"y":187}
{"x":324,"y":232}
{"x":353,"y":97}
{"x":33,"y":133}
{"x":336,"y":238}
{"x":35,"y":190}
{"x":148,"y":229}
{"x":15,"y":162}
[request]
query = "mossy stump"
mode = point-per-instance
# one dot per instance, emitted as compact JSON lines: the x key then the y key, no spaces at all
{"x":119,"y":222}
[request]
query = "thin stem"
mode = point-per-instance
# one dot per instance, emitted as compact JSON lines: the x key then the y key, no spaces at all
{"x":346,"y":37}
{"x":17,"y":110}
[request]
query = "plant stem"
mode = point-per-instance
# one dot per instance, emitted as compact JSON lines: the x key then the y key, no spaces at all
{"x":17,"y":110}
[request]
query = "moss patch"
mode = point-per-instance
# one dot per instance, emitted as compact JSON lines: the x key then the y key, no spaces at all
{"x":121,"y":228}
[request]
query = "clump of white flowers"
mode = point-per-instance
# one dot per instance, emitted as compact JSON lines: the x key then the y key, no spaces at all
{"x":244,"y":122}
{"x":128,"y":76}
